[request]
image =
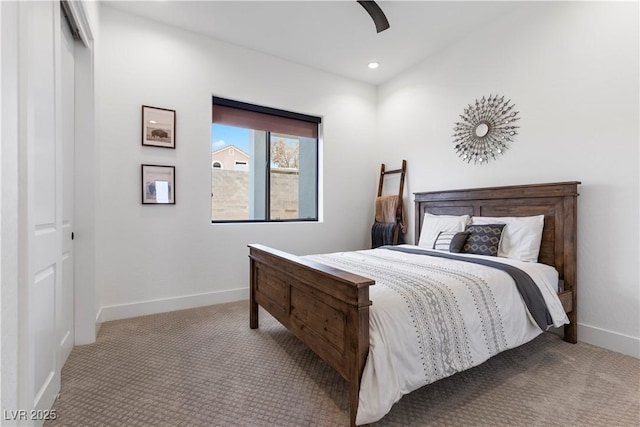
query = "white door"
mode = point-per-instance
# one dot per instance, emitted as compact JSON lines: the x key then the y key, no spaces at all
{"x":64,"y":308}
{"x":48,"y":224}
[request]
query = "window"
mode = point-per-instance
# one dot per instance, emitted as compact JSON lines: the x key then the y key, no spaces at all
{"x":274,"y":164}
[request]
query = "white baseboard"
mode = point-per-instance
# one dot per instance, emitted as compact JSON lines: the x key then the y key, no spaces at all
{"x":610,"y":340}
{"x":143,"y":308}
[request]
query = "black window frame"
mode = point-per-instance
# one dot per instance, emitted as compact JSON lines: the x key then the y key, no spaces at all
{"x":279,"y":113}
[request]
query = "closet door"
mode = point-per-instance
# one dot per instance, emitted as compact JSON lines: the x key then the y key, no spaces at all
{"x":42,"y":139}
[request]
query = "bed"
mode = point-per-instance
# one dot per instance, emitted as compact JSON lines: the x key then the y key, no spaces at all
{"x":328,"y":308}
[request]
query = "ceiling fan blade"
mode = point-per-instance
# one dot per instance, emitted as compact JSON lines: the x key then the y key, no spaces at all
{"x":376,"y":14}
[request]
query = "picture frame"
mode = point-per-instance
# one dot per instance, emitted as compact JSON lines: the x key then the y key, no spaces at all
{"x":158,"y":127}
{"x":158,"y":185}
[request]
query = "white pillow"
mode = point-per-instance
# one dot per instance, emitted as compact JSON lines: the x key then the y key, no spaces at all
{"x":521,"y":236}
{"x":432,"y":225}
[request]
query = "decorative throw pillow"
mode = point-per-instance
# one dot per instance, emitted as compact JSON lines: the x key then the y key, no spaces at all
{"x":452,"y":242}
{"x":483,"y":239}
{"x":520,"y":238}
{"x":434,"y":224}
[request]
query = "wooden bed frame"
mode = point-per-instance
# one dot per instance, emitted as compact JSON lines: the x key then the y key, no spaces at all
{"x":328,"y":309}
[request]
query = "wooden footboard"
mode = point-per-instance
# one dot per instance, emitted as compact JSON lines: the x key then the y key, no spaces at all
{"x":326,"y":308}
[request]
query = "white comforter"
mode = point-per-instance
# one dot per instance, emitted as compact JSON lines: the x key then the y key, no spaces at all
{"x":432,"y":317}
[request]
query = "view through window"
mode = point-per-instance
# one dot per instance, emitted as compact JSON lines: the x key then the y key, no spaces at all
{"x":264,"y":164}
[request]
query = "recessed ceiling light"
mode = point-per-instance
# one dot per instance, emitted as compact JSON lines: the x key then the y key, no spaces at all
{"x":373,"y":65}
{"x":152,"y":121}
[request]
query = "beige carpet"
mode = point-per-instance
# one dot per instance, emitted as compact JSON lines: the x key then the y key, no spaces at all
{"x":205,"y":367}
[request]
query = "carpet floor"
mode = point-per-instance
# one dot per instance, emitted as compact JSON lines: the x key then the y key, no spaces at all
{"x":205,"y":367}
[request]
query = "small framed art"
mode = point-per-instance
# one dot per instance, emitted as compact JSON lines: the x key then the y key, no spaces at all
{"x":158,"y":185}
{"x":158,"y":127}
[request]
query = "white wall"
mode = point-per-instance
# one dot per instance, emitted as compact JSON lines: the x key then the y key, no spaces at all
{"x":152,"y":258}
{"x":572,"y":71}
{"x":570,"y":68}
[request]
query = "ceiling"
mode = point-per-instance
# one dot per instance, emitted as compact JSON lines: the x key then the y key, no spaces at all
{"x":335,"y":36}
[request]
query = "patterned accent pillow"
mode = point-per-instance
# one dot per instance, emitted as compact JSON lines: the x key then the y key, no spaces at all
{"x":434,"y":224}
{"x":483,"y":239}
{"x":521,"y":236}
{"x":452,"y":242}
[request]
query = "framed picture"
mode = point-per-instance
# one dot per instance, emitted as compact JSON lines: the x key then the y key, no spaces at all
{"x":158,"y":127}
{"x":158,"y":185}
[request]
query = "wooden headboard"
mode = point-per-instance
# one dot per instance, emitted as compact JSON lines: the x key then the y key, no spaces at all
{"x":556,"y":201}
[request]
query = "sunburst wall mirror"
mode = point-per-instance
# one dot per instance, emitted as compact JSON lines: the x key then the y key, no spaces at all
{"x":485,"y":130}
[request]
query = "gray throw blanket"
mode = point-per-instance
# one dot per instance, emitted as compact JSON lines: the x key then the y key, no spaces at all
{"x":526,"y":286}
{"x":382,"y":234}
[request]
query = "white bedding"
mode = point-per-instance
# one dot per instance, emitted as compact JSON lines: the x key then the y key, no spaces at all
{"x":432,"y":317}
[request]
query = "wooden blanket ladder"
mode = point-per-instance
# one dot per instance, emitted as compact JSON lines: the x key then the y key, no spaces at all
{"x":399,"y":213}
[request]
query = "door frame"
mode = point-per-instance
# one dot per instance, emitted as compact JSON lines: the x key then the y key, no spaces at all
{"x":85,"y":184}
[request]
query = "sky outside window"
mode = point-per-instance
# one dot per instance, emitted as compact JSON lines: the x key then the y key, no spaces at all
{"x":225,"y":136}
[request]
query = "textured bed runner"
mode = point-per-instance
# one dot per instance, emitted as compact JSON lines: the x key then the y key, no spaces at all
{"x":528,"y":289}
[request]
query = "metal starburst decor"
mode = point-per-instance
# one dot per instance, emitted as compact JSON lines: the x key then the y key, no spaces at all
{"x":485,"y":129}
